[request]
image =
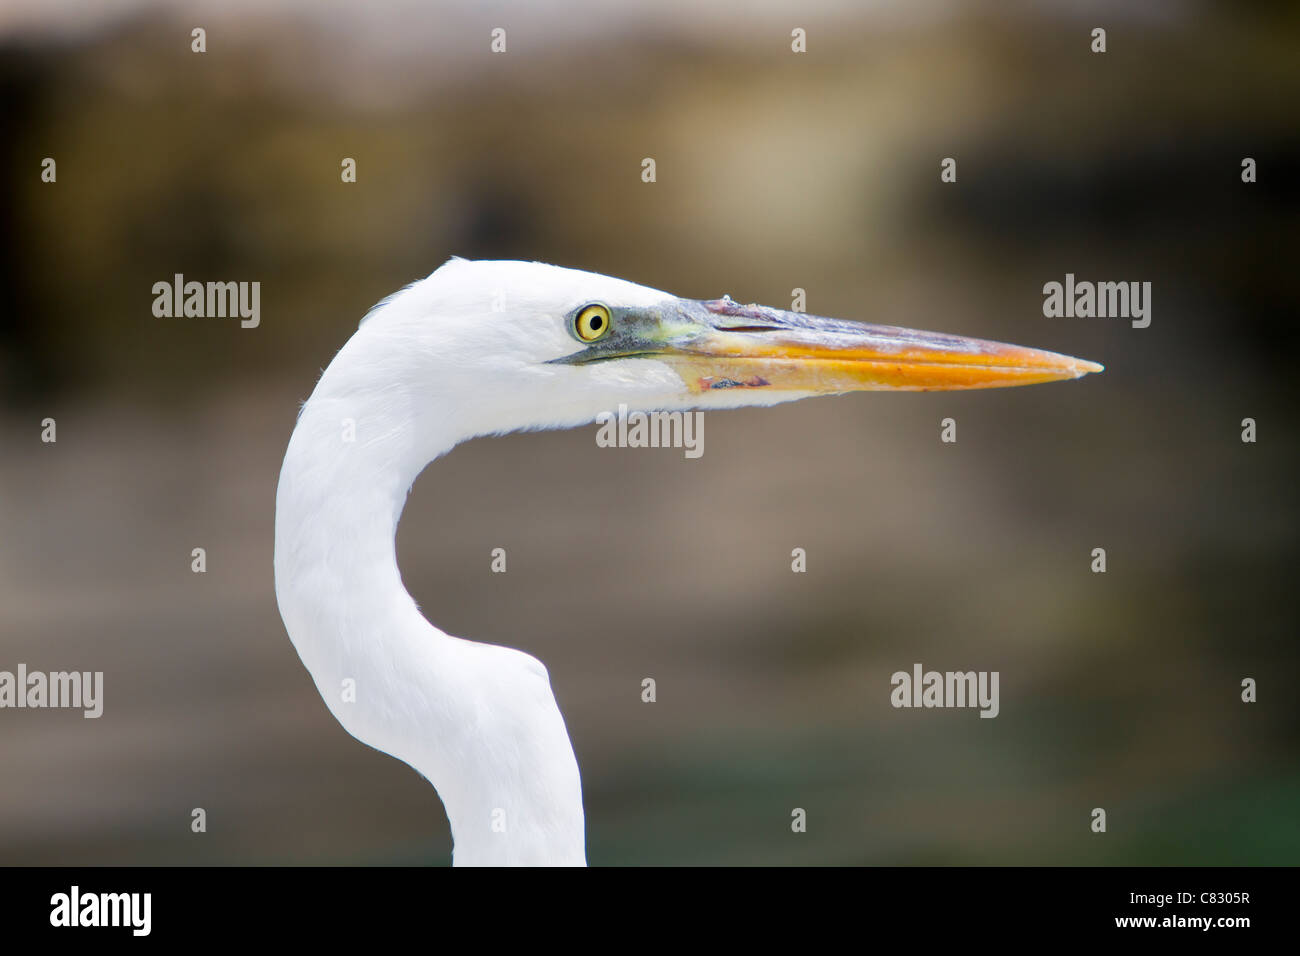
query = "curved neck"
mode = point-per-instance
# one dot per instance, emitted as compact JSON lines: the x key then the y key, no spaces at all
{"x":479,"y":721}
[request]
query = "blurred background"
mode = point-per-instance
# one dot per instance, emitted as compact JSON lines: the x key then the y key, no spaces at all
{"x":775,"y":170}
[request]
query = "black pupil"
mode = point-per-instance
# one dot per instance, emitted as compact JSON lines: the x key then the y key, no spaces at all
{"x":596,"y":322}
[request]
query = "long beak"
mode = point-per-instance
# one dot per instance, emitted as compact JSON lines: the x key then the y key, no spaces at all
{"x":751,"y":346}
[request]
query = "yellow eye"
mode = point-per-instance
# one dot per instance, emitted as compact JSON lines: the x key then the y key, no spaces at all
{"x":591,"y":322}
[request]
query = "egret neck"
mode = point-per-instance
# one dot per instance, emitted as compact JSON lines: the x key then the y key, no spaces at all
{"x":479,"y":721}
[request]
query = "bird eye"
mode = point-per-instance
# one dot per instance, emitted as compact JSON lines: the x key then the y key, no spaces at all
{"x":591,"y":322}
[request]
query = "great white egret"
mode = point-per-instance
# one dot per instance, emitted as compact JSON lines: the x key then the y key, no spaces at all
{"x":481,"y":348}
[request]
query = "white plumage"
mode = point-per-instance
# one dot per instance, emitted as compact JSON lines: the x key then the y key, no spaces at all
{"x":487,"y":347}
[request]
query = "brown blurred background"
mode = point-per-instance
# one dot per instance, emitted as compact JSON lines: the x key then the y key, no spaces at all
{"x":775,"y":171}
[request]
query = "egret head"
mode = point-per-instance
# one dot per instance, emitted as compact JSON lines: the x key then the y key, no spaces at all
{"x":542,"y":346}
{"x":488,"y":347}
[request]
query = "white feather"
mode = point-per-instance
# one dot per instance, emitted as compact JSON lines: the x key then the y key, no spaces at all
{"x":462,"y":353}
